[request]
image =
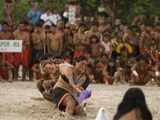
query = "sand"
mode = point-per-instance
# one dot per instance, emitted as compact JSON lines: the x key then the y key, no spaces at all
{"x":22,"y":101}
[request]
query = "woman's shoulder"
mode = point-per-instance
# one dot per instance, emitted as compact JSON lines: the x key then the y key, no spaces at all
{"x":132,"y":115}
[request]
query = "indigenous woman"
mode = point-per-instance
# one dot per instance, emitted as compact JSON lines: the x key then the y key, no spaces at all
{"x":133,"y":106}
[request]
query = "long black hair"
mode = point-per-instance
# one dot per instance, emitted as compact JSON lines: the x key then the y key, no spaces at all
{"x":133,"y":98}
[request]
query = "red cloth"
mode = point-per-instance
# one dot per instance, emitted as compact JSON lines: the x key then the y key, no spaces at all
{"x":22,"y":58}
{"x":78,"y":54}
{"x":9,"y":57}
{"x":3,"y":74}
{"x":25,"y":57}
{"x":17,"y":59}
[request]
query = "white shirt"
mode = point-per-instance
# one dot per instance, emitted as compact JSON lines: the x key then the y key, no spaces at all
{"x":51,"y":18}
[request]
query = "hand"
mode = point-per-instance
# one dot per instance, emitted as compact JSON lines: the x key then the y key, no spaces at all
{"x":78,"y":90}
{"x":93,"y":81}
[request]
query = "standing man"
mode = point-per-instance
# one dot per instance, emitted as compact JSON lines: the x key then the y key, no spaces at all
{"x":56,"y":40}
{"x":22,"y":63}
{"x":8,"y":9}
{"x":34,"y":14}
{"x":38,"y":43}
{"x":7,"y":58}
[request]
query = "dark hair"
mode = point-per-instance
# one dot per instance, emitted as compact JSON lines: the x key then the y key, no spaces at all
{"x":94,"y":37}
{"x":24,"y":22}
{"x":133,"y":98}
{"x":4,"y":23}
{"x":39,"y":24}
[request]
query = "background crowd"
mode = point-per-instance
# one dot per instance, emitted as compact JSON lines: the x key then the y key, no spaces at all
{"x":114,"y":52}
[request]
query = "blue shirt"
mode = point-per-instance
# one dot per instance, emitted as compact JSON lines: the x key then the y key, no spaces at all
{"x":34,"y":16}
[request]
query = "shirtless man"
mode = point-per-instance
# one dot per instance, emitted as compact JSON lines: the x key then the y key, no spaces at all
{"x":81,"y":74}
{"x":55,"y":40}
{"x":119,"y":76}
{"x":50,"y":76}
{"x":38,"y":43}
{"x":23,"y":34}
{"x":8,"y":7}
{"x":65,"y":90}
{"x":140,"y":73}
{"x":68,"y":36}
{"x":96,"y":48}
{"x":79,"y":39}
{"x":7,"y":34}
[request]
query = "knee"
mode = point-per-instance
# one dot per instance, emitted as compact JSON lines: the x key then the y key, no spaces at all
{"x":40,"y":86}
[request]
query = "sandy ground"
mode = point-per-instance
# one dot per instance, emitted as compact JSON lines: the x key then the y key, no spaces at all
{"x":22,"y":101}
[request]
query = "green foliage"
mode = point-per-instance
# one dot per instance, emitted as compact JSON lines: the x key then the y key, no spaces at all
{"x":1,"y":10}
{"x":89,"y":7}
{"x":57,"y":4}
{"x":125,"y":9}
{"x":20,"y":10}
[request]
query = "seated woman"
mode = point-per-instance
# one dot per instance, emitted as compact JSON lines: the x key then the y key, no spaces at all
{"x":133,"y":106}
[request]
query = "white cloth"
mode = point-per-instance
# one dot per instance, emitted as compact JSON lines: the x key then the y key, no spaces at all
{"x":51,"y":18}
{"x":65,"y":68}
{"x":65,"y":14}
{"x":157,"y":73}
{"x":72,"y":14}
{"x":135,"y":73}
{"x":107,"y":46}
{"x":101,"y":115}
{"x":54,"y":18}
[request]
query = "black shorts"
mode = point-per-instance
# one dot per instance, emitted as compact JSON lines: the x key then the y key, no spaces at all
{"x":57,"y":95}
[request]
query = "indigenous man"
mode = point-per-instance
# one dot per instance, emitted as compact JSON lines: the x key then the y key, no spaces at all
{"x":139,"y":73}
{"x":82,"y":79}
{"x":68,"y":36}
{"x":38,"y":43}
{"x":50,"y":76}
{"x":8,"y":7}
{"x":7,"y":34}
{"x":96,"y":48}
{"x":79,"y":39}
{"x":55,"y":40}
{"x":23,"y":34}
{"x":155,"y":75}
{"x":65,"y":90}
{"x":101,"y":73}
{"x":119,"y":76}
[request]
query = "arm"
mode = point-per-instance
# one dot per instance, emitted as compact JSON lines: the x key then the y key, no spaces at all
{"x":71,"y":81}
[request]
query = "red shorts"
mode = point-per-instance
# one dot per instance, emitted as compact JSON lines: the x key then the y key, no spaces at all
{"x":22,"y":58}
{"x":25,"y":57}
{"x":9,"y":57}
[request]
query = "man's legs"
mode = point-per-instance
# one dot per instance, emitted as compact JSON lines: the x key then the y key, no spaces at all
{"x":70,"y":104}
{"x":10,"y":74}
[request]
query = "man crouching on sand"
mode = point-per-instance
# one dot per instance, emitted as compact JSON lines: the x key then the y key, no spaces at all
{"x":65,"y":91}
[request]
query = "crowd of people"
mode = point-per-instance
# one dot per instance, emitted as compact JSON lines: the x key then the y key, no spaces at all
{"x":114,"y":52}
{"x":66,"y":52}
